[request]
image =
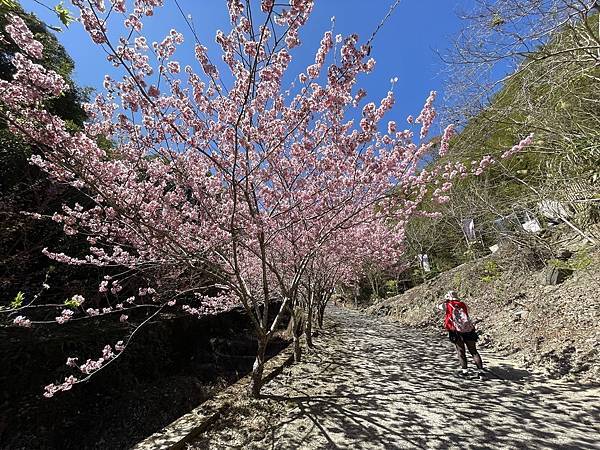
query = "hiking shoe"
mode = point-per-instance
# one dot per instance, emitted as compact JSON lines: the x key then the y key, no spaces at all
{"x":482,"y":375}
{"x":463,"y":373}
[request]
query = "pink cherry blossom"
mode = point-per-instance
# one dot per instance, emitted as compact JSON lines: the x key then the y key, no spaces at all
{"x":23,"y":37}
{"x":52,"y":389}
{"x":71,"y":362}
{"x":103,"y":286}
{"x":518,"y":147}
{"x":22,"y":321}
{"x":79,"y":299}
{"x":65,"y":316}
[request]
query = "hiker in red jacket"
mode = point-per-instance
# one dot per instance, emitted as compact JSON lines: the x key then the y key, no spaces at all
{"x":461,"y":332}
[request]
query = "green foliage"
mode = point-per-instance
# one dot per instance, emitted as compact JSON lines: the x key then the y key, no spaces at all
{"x":8,"y":4}
{"x":18,"y":300}
{"x":497,"y":20}
{"x":63,"y":14}
{"x":457,"y":281}
{"x":72,"y":303}
{"x":581,"y":261}
{"x":374,"y":297}
{"x":391,"y":288}
{"x":491,"y":271}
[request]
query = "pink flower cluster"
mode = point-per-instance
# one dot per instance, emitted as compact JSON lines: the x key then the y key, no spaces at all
{"x":518,"y":147}
{"x":23,"y":37}
{"x":103,"y":286}
{"x":91,"y":365}
{"x":445,"y":142}
{"x":267,"y":5}
{"x":22,"y":321}
{"x":324,"y":48}
{"x":427,"y":115}
{"x":146,"y":291}
{"x":72,"y":362}
{"x":65,"y":316}
{"x":31,"y":84}
{"x":52,"y":389}
{"x":116,"y":287}
{"x":88,"y":368}
{"x":483,"y":164}
{"x":211,"y":305}
{"x":95,"y":28}
{"x":78,"y":299}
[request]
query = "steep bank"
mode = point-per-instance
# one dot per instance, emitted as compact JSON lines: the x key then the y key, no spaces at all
{"x":554,"y":328}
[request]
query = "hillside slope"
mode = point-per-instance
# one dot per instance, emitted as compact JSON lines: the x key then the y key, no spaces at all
{"x":552,"y":328}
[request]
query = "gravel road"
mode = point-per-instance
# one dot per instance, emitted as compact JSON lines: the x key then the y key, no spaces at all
{"x":371,"y":384}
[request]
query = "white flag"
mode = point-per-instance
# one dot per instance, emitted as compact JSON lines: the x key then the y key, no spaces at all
{"x":468,"y":226}
{"x":424,"y":262}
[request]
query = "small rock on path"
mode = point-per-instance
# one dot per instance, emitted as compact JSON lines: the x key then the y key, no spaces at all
{"x":371,"y":384}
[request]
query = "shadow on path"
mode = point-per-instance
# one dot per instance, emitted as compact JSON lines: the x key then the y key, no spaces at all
{"x":374,"y":385}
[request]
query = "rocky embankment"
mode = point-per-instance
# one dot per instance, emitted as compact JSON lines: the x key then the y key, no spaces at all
{"x":553,"y":328}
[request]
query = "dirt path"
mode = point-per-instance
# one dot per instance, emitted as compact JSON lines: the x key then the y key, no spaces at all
{"x":374,"y":385}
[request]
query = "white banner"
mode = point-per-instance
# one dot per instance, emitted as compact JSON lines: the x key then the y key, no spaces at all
{"x":468,"y":227}
{"x":424,"y":262}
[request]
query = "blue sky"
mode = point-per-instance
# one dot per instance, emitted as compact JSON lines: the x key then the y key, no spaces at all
{"x":404,"y":48}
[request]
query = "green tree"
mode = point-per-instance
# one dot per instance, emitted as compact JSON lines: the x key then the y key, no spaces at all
{"x":22,"y":186}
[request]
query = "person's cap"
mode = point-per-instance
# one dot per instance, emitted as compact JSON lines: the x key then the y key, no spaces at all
{"x":451,"y":295}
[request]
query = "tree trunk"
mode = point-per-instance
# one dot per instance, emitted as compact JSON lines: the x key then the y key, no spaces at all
{"x":321,"y":314}
{"x":308,"y":328}
{"x":297,"y":349}
{"x":258,"y":367}
{"x":296,"y":333}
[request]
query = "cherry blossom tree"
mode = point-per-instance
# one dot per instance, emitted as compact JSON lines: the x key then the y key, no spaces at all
{"x":276,"y":185}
